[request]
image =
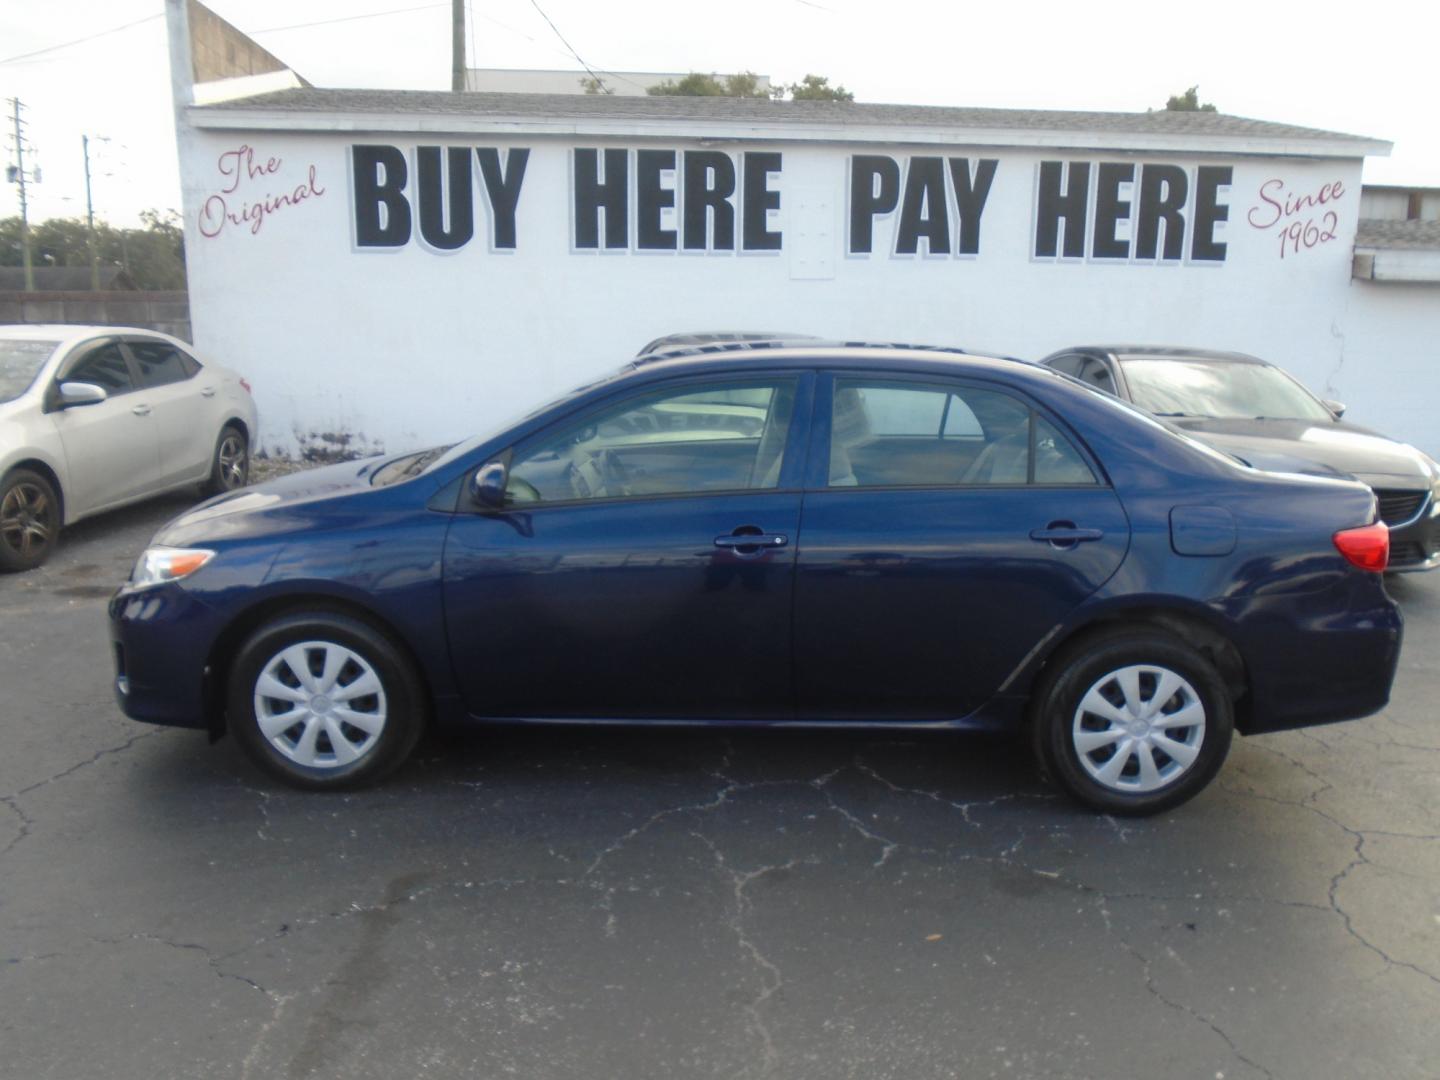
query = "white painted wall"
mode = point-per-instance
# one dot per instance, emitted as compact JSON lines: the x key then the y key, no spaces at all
{"x":411,"y":347}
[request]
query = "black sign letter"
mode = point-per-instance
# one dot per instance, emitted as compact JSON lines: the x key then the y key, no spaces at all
{"x":758,"y":198}
{"x":1163,"y":191}
{"x":432,"y":197}
{"x":868,"y":200}
{"x":1052,"y":205}
{"x":593,"y":195}
{"x":1110,"y":210}
{"x":970,"y":198}
{"x":924,"y":191}
{"x":709,"y":183}
{"x":1209,"y":212}
{"x":651,"y":199}
{"x":503,"y":188}
{"x":382,"y":216}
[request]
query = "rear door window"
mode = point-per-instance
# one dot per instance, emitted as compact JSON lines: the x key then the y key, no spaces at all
{"x":160,"y":363}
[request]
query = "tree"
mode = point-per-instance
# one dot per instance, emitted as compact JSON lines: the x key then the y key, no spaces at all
{"x":698,"y":84}
{"x":1189,"y":101}
{"x":813,"y":88}
{"x":153,"y":256}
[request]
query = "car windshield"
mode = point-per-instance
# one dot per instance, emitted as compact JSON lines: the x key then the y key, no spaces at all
{"x":1219,"y":388}
{"x":20,"y":361}
{"x":460,"y":449}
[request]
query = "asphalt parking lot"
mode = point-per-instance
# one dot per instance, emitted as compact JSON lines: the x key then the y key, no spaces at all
{"x":676,"y":904}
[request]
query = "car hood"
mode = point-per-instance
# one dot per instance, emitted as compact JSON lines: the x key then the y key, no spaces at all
{"x":270,"y":506}
{"x":1318,"y":449}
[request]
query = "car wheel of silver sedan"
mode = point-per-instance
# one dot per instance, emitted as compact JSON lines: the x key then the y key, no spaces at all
{"x":230,"y":468}
{"x":29,"y":519}
{"x":1132,"y":721}
{"x":324,"y":700}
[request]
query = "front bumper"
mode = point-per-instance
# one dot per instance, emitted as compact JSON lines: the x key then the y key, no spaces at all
{"x":162,"y":639}
{"x":1415,"y":544}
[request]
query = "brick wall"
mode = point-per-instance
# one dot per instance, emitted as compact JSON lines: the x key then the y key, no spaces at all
{"x":168,"y":312}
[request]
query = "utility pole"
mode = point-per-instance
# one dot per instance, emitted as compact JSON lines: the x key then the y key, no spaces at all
{"x":457,"y":44}
{"x":90,"y":220}
{"x":19,"y":177}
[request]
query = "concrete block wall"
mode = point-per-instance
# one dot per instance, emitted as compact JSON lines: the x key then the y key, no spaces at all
{"x":168,"y":312}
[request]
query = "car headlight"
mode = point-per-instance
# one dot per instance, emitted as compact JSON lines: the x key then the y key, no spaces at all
{"x":158,"y":565}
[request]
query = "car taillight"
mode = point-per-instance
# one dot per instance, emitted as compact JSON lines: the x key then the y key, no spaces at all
{"x":1367,"y":547}
{"x":246,"y":385}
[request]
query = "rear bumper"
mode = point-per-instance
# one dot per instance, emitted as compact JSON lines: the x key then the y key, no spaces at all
{"x":161,"y":639}
{"x":1319,"y":659}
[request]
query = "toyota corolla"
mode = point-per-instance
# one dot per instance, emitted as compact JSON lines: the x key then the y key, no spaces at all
{"x":778,"y":533}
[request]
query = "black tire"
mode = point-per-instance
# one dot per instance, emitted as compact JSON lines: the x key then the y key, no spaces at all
{"x":321,"y":764}
{"x":29,"y":520}
{"x":230,"y":464}
{"x":1098,"y":663}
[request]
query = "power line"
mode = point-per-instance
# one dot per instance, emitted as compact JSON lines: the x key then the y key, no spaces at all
{"x":80,"y":41}
{"x":348,"y":18}
{"x":570,"y":47}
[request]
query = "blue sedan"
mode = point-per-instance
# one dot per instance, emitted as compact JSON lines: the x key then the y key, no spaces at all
{"x":778,"y":533}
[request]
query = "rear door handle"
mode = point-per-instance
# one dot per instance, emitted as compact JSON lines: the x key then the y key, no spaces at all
{"x":208,"y":391}
{"x":758,"y":541}
{"x":141,"y":410}
{"x":1064,"y":533}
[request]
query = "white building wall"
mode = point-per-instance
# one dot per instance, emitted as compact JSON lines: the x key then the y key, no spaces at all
{"x":1388,"y":372}
{"x":413,"y":347}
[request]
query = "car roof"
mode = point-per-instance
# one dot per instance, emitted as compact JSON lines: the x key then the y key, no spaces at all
{"x":710,"y":337}
{"x":749,"y":355}
{"x":1163,"y":352}
{"x":69,"y":333}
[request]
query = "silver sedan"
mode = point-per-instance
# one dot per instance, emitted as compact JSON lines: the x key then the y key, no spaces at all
{"x":94,"y":417}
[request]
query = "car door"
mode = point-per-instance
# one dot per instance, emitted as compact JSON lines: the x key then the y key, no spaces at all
{"x":182,"y":409}
{"x":111,"y":451}
{"x":644,"y":564}
{"x":948,"y":526}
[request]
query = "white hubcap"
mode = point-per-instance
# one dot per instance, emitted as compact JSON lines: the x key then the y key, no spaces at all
{"x":1138,"y":728}
{"x":320,"y":704}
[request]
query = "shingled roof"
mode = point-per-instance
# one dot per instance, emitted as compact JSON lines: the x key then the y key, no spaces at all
{"x":1387,"y":235}
{"x":301,"y":108}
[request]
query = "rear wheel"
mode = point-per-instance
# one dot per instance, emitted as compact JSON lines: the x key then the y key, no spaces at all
{"x":230,"y":467}
{"x":29,"y":519}
{"x":1133,"y":721}
{"x":324,"y":701}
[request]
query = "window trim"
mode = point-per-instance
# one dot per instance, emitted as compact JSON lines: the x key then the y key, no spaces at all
{"x":817,"y":478}
{"x":792,"y":460}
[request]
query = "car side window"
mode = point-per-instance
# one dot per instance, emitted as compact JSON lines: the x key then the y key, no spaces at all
{"x":160,"y":363}
{"x":681,"y":440}
{"x":1097,"y":374}
{"x":1069,"y":365}
{"x":889,"y":434}
{"x":106,"y":368}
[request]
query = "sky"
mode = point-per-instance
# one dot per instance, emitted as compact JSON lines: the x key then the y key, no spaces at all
{"x":1362,"y":69}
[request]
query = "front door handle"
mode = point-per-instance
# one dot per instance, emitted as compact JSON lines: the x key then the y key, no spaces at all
{"x":1065,"y":534}
{"x":756,"y":541}
{"x":141,"y":410}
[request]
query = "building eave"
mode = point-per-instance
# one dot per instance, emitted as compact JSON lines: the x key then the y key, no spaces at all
{"x":750,"y":130}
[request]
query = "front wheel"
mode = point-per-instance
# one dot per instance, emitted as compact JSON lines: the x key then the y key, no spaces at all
{"x":1132,"y":722}
{"x":230,"y":467}
{"x":324,"y":701}
{"x":29,"y":520}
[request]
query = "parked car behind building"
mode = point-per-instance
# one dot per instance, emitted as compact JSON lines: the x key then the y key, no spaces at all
{"x":1263,"y":416}
{"x":94,"y":417}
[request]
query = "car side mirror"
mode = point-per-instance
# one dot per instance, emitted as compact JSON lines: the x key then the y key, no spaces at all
{"x":81,"y":393}
{"x":488,"y":484}
{"x":1336,"y":407}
